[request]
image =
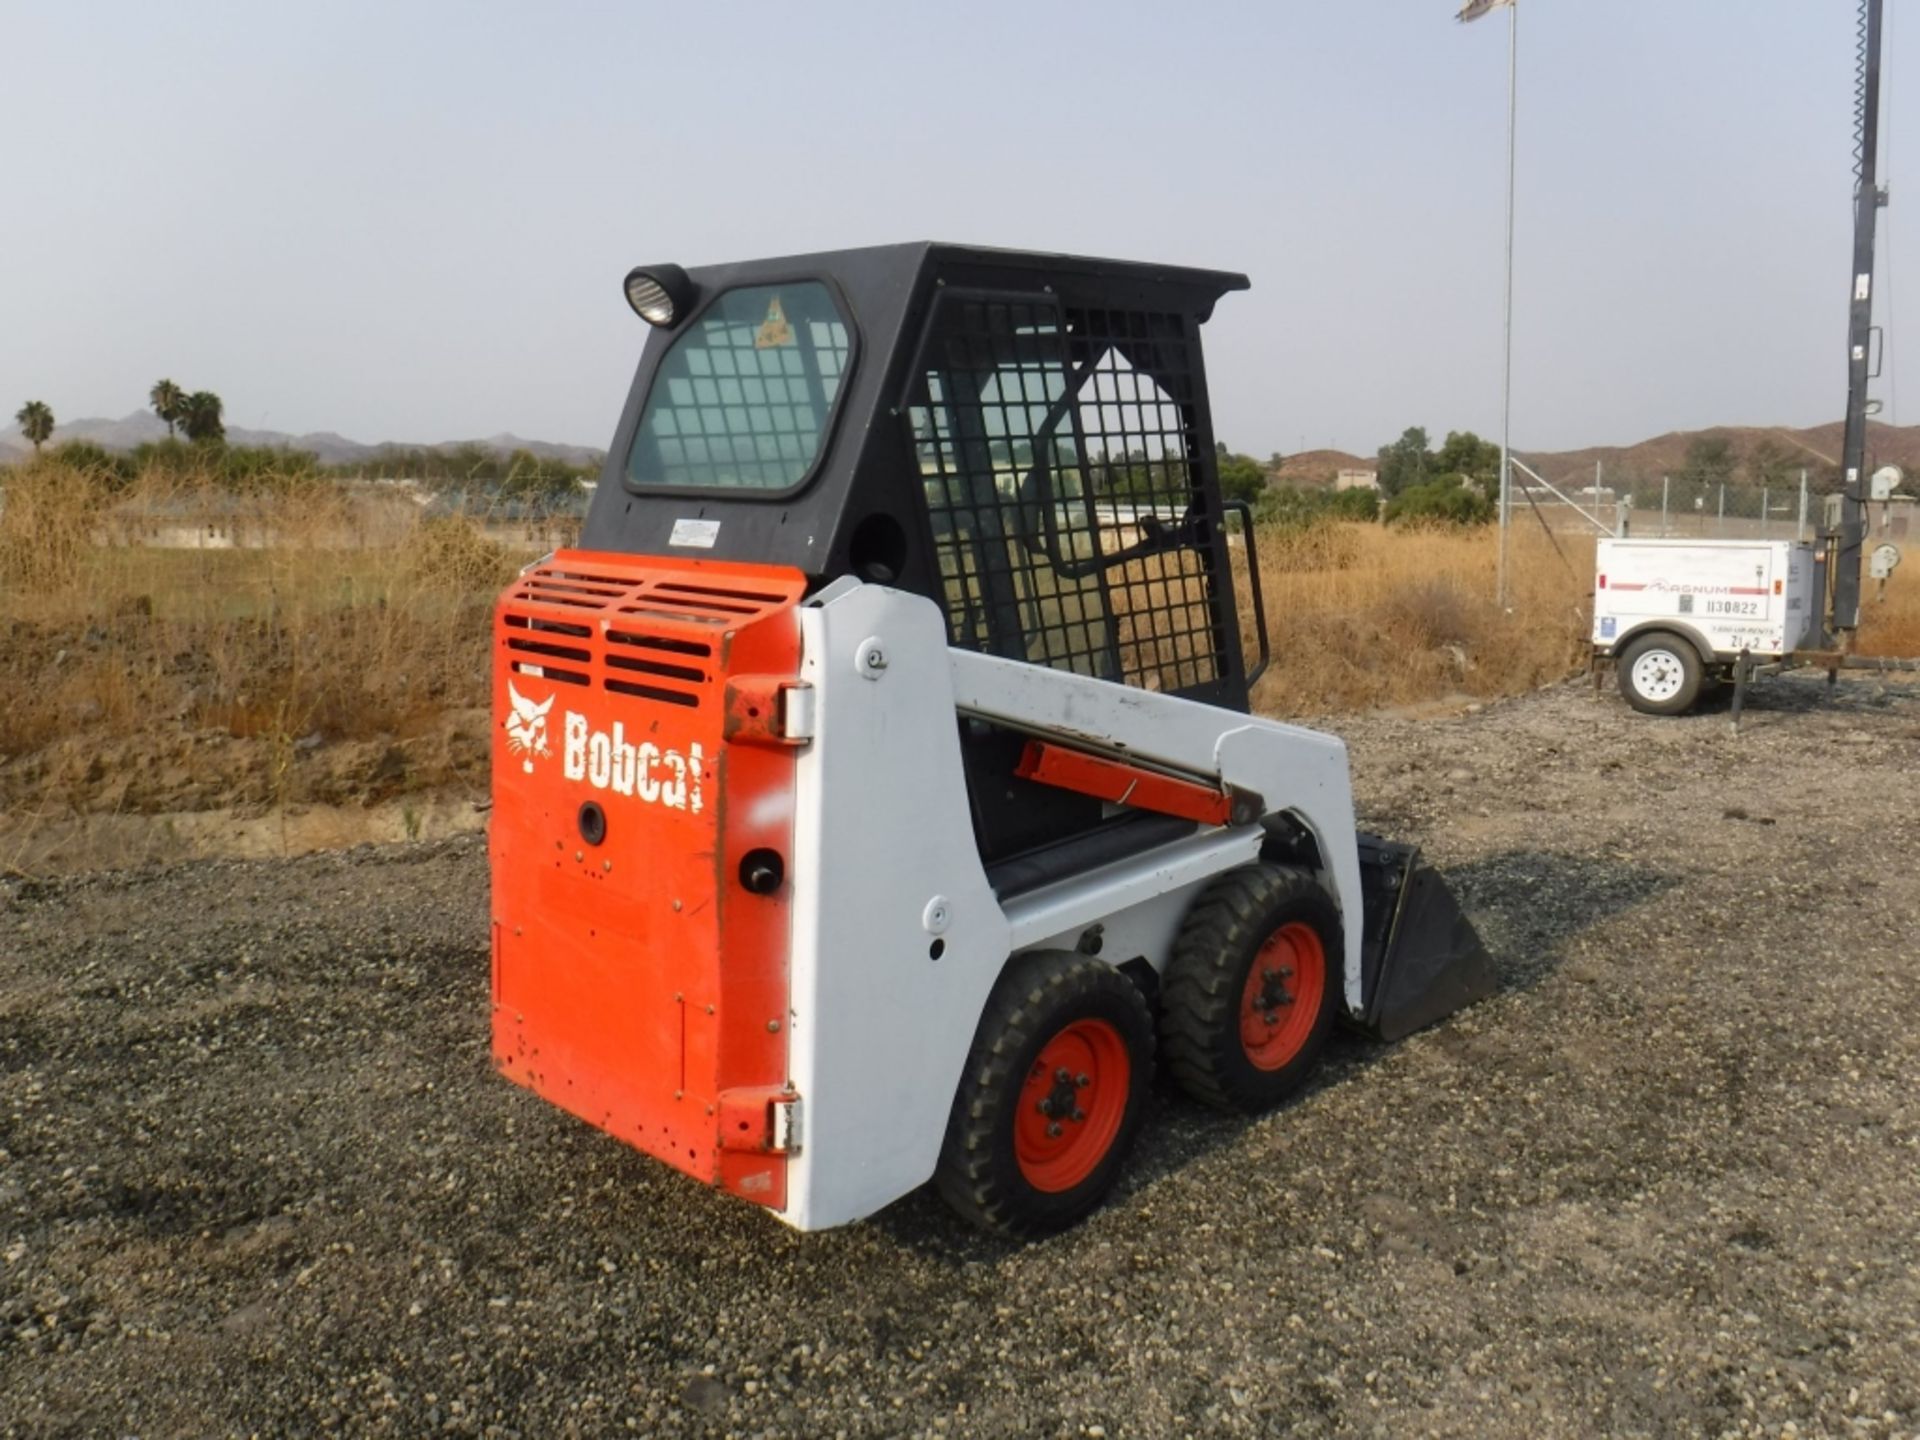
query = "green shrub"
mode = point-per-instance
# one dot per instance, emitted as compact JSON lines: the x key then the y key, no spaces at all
{"x":98,"y":463}
{"x":1440,"y":502}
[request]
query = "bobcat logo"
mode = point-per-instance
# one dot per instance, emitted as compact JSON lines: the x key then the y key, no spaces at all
{"x":526,"y":728}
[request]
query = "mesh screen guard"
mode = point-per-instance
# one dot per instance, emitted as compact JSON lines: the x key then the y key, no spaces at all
{"x":1063,"y":464}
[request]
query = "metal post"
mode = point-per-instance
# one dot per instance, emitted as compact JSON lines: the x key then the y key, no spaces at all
{"x":1766,"y":513}
{"x":1800,"y":531}
{"x":1506,"y":387}
{"x":1720,"y":525}
{"x":1867,"y":200}
{"x":1663,"y":506}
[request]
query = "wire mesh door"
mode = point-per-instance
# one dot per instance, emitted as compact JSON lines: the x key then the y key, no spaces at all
{"x":1062,"y":464}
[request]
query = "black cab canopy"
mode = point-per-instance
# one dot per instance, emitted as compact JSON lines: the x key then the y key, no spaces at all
{"x":1022,"y":437}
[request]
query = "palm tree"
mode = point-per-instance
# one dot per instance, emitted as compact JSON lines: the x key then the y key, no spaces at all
{"x":167,"y":398}
{"x":200,"y":416}
{"x":36,"y":422}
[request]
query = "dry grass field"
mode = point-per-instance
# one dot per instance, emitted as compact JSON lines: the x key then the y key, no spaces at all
{"x":147,"y":680}
{"x":313,"y":630}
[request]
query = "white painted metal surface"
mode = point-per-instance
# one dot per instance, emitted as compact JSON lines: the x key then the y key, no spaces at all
{"x":882,"y":830}
{"x":897,"y":935}
{"x":1726,"y":595}
{"x":1298,"y":771}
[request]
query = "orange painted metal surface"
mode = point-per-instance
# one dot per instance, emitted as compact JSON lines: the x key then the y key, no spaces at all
{"x":637,"y":983}
{"x":1123,"y":784}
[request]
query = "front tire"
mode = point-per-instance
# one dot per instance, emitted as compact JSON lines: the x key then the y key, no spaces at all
{"x":1660,"y":675}
{"x":1252,"y":987}
{"x":1051,"y":1098}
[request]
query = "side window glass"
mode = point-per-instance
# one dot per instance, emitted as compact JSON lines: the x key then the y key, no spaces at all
{"x":742,"y":399}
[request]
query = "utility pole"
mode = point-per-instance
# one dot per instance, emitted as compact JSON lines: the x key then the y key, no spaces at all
{"x":1506,"y":380}
{"x":1867,"y":200}
{"x":1473,"y":10}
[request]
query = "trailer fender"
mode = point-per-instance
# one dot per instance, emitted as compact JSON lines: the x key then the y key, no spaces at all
{"x":1680,"y":630}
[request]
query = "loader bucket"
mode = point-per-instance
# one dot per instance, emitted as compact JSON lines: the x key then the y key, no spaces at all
{"x":1420,"y":958}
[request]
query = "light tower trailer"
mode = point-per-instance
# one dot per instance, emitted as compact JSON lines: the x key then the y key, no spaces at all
{"x":877,"y":793}
{"x":1675,"y":618}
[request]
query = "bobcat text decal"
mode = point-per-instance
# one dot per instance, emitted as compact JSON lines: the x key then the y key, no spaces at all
{"x":607,"y":760}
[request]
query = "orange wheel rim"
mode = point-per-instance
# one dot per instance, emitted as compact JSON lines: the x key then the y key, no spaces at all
{"x":1281,"y":999}
{"x":1072,"y":1104}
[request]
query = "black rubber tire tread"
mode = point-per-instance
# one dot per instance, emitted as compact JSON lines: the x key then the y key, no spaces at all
{"x":1693,"y":673}
{"x":1200,"y":992}
{"x":1036,"y":996}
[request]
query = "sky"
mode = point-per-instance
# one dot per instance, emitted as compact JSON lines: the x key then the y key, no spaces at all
{"x":409,"y":220}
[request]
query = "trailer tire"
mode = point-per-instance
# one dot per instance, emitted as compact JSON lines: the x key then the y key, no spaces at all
{"x":1660,"y":674}
{"x":1239,"y":1034}
{"x":1007,"y":1163}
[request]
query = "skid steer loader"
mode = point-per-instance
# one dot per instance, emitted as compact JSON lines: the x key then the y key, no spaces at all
{"x":875,"y":797}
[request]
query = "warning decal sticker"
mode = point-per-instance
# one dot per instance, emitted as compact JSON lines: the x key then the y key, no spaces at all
{"x":774,"y":330}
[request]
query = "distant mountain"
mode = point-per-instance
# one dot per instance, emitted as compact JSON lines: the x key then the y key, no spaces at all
{"x":143,"y":427}
{"x":1816,"y":446}
{"x":1819,"y":445}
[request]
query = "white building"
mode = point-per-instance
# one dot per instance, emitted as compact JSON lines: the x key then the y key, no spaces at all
{"x":1356,"y":480}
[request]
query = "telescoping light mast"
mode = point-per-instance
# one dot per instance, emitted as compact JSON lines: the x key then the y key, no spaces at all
{"x":1867,"y":200}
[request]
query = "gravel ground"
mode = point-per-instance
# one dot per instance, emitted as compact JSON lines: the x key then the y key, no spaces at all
{"x":256,"y":1175}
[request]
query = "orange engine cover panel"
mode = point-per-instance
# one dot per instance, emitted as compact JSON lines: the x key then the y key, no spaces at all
{"x":638,"y":981}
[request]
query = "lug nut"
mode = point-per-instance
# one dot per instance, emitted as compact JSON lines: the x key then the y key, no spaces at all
{"x":1045,"y":1107}
{"x":1083,"y":1081}
{"x":1053,"y":1131}
{"x":1062,"y":1075}
{"x":1078,"y":1113}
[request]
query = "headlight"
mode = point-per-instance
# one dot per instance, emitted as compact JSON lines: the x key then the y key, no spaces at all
{"x":659,"y":294}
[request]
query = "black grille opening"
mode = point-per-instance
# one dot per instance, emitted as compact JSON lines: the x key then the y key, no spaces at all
{"x":613,"y":583}
{"x":551,"y":599}
{"x":548,"y":672}
{"x":667,"y":643}
{"x":758,"y":597}
{"x":561,"y":652}
{"x":657,"y":667}
{"x":555,"y":627}
{"x":725,"y":607}
{"x":651,"y":692}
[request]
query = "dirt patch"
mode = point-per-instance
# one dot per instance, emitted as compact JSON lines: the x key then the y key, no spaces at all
{"x":259,"y":1177}
{"x":63,"y":805}
{"x":68,"y":843}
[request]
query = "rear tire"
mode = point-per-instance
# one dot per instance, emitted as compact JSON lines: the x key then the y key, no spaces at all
{"x":1051,"y":1098}
{"x":1660,"y":674}
{"x":1251,"y":991}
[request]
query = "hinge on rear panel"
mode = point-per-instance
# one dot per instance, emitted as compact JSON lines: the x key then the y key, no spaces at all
{"x":768,"y":710}
{"x":762,"y":1119}
{"x":786,"y":1126}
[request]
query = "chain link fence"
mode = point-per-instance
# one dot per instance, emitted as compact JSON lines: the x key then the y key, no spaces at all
{"x":1794,"y":507}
